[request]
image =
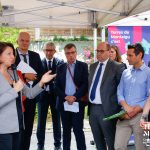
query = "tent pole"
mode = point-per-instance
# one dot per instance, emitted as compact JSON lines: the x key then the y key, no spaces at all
{"x":103,"y":34}
{"x":95,"y":42}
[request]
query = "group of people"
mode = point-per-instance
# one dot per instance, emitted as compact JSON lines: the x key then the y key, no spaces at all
{"x":60,"y":85}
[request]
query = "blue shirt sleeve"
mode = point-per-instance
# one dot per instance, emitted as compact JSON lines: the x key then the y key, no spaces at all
{"x":120,"y":89}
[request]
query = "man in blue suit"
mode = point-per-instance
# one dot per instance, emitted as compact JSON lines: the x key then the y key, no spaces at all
{"x":71,"y":85}
{"x":48,"y":98}
{"x":34,"y":61}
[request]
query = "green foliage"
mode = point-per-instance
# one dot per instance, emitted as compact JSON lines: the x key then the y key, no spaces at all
{"x":62,"y":39}
{"x":72,"y":39}
{"x":92,"y":54}
{"x":58,"y":39}
{"x":8,"y":34}
{"x":83,"y":38}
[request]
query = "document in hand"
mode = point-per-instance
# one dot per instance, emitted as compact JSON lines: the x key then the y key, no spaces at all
{"x":25,"y":68}
{"x":120,"y":114}
{"x":72,"y":108}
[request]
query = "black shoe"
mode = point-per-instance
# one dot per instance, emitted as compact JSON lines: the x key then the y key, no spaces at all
{"x":58,"y":148}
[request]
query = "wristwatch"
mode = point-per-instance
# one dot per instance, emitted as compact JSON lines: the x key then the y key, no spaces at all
{"x":144,"y":117}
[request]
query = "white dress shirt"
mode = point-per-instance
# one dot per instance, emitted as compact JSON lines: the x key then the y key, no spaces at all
{"x":21,"y":57}
{"x":97,"y":99}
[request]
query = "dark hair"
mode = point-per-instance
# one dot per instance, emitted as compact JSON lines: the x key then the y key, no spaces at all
{"x":69,"y":46}
{"x":138,"y":48}
{"x":118,"y":56}
{"x":4,"y":45}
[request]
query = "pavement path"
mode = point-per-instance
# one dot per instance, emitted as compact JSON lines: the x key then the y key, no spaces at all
{"x":49,"y":138}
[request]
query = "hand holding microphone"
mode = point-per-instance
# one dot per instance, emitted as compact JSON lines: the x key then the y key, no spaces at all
{"x":18,"y":83}
{"x":18,"y":86}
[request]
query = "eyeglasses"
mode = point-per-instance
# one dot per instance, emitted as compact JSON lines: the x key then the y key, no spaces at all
{"x":49,"y":50}
{"x":69,"y":53}
{"x":101,"y":51}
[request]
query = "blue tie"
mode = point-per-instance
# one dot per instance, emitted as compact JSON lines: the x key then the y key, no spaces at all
{"x":93,"y":91}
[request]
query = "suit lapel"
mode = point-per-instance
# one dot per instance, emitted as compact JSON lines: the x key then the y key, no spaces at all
{"x":106,"y":71}
{"x":64,"y":75}
{"x":92,"y":71}
{"x":45,"y":65}
{"x":30,"y":60}
{"x":54,"y":64}
{"x":76,"y":70}
{"x":17,"y":57}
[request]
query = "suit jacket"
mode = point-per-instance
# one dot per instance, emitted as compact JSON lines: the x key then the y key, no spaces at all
{"x":35,"y":62}
{"x":80,"y":79}
{"x":109,"y":83}
{"x":8,"y":111}
{"x":56,"y":62}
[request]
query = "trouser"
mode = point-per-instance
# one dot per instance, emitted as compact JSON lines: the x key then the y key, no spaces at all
{"x":29,"y":114}
{"x":46,"y":100}
{"x":73,"y":120}
{"x":10,"y":141}
{"x":124,"y":130}
{"x":103,"y":131}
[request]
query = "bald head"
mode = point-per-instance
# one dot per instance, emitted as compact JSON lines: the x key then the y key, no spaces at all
{"x":23,"y":41}
{"x":105,"y":45}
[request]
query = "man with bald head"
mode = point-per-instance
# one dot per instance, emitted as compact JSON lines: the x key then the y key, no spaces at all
{"x":34,"y":61}
{"x":104,"y":78}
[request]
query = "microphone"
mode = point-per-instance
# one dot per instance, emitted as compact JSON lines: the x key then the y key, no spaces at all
{"x":13,"y":67}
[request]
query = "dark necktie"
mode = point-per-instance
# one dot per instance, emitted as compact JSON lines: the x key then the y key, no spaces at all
{"x":93,"y":90}
{"x":24,"y":58}
{"x":49,"y":65}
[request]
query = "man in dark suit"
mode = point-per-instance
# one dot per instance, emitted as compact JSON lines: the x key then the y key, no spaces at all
{"x":104,"y":78}
{"x":34,"y":61}
{"x":71,"y":85}
{"x":48,"y":98}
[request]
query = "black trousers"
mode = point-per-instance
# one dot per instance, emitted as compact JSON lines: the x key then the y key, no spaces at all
{"x":48,"y":100}
{"x":73,"y":120}
{"x":30,"y":105}
{"x":10,"y":141}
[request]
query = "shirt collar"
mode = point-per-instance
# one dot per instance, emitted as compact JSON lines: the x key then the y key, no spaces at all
{"x":22,"y":53}
{"x":72,"y":63}
{"x":49,"y":60}
{"x":105,"y":62}
{"x":141,"y":68}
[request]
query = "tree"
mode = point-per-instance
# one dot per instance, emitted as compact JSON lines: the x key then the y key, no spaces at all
{"x":8,"y":34}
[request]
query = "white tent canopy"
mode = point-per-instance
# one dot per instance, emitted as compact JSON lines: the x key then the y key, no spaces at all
{"x":67,"y":13}
{"x":142,"y":19}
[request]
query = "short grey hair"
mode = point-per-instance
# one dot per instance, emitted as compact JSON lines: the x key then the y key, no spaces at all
{"x":49,"y":44}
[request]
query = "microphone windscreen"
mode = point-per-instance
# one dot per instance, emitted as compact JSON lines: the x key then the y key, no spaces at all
{"x":13,"y":67}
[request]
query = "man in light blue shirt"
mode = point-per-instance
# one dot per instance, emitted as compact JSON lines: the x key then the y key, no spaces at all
{"x":133,"y":90}
{"x":71,"y":86}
